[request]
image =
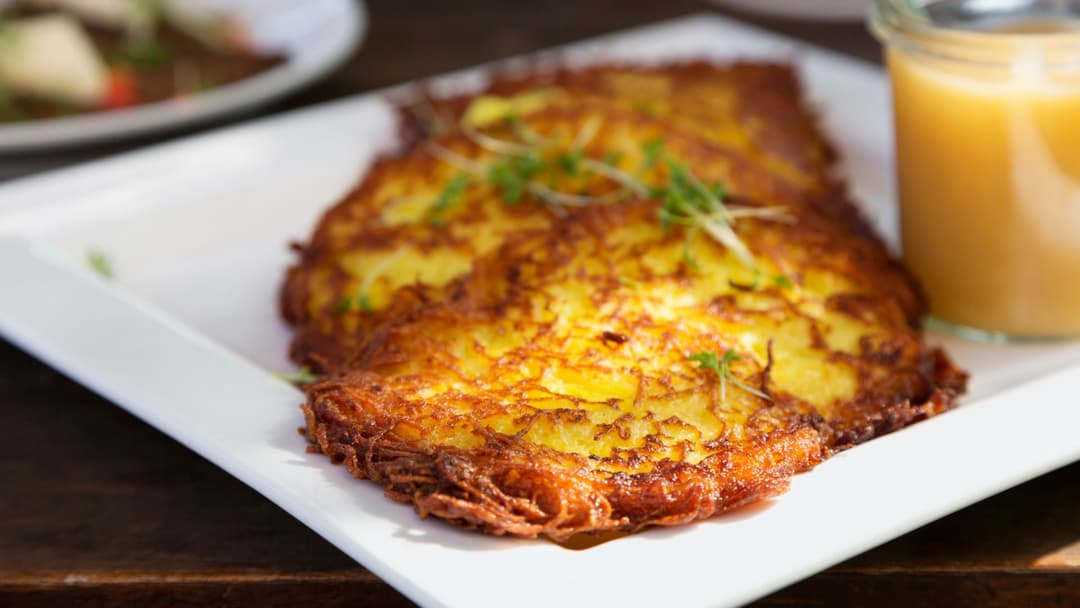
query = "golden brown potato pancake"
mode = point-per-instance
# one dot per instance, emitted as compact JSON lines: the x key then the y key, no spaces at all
{"x":752,"y":108}
{"x":564,"y":315}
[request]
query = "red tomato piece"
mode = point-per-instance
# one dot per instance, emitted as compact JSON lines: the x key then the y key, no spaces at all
{"x":121,"y":90}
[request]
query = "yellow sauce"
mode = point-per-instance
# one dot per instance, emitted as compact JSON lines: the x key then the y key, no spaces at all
{"x":989,"y":173}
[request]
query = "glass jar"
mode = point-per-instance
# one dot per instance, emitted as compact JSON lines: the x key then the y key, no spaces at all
{"x":986,"y":99}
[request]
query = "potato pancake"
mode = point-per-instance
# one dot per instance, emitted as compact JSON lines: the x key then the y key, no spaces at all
{"x":572,"y":311}
{"x":751,"y":108}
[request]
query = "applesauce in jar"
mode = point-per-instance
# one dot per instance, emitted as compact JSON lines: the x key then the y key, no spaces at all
{"x":987,"y":115}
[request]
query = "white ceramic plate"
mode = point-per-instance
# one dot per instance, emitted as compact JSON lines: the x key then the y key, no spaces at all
{"x":183,"y":338}
{"x":314,"y":35}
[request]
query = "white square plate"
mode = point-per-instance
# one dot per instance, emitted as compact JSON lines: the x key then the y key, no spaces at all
{"x":185,"y":336}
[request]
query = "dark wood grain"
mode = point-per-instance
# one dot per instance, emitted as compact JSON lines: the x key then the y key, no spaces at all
{"x":98,"y":509}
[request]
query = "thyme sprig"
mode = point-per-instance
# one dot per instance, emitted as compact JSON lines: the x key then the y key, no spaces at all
{"x":686,"y":199}
{"x":512,"y":175}
{"x":721,"y":364}
{"x":518,"y":165}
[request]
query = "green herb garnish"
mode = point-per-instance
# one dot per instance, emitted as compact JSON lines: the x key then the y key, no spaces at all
{"x":100,"y":264}
{"x":722,"y":366}
{"x":757,"y":280}
{"x":512,"y":174}
{"x":360,"y":300}
{"x":450,"y":196}
{"x":570,"y":163}
{"x":304,"y":375}
{"x":652,"y":150}
{"x":685,"y":199}
{"x":782,"y":281}
{"x":687,"y":254}
{"x":145,"y":52}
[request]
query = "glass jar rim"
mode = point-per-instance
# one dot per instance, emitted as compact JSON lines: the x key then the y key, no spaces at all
{"x":900,"y":23}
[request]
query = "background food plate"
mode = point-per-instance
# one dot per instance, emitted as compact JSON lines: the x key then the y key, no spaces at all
{"x":186,"y":334}
{"x":818,"y":10}
{"x":314,"y":35}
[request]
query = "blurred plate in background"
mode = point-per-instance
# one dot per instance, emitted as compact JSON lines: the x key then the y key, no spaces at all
{"x":820,"y":10}
{"x":314,"y":35}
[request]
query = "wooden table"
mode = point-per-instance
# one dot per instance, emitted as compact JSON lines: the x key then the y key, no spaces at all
{"x":99,"y":509}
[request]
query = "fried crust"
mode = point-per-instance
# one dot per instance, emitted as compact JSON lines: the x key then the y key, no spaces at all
{"x":540,"y":382}
{"x":511,"y":487}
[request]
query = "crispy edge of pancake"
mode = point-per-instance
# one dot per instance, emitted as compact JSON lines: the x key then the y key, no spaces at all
{"x":500,"y":491}
{"x":513,"y":486}
{"x":485,"y":488}
{"x":508,"y":489}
